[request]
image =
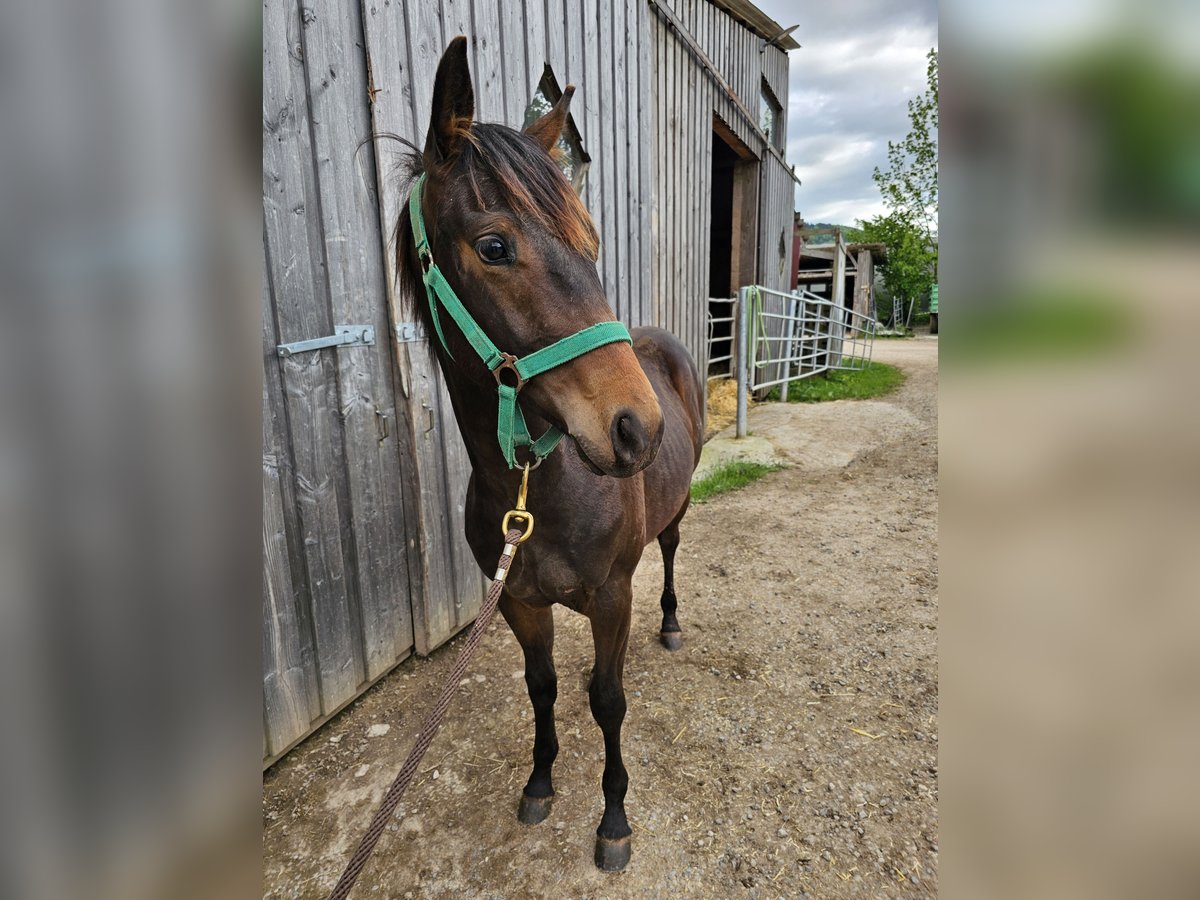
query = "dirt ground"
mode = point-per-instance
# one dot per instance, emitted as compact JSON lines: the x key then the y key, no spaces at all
{"x":789,"y":749}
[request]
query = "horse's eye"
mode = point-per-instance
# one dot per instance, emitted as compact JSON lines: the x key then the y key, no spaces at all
{"x":492,"y":249}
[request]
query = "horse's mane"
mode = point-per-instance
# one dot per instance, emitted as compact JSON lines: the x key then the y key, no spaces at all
{"x":529,"y":182}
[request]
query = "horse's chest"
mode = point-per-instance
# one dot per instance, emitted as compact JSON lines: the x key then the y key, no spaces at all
{"x":554,"y":577}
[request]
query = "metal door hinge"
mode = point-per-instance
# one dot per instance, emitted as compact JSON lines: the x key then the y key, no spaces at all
{"x":343,"y":336}
{"x":409,"y":332}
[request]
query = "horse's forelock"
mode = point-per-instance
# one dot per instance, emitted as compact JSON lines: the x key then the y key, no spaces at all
{"x":531,"y":184}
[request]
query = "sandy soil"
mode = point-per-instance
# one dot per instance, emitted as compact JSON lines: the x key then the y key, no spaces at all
{"x":790,"y":748}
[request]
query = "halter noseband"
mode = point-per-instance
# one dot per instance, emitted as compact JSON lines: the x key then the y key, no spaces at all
{"x":511,"y":430}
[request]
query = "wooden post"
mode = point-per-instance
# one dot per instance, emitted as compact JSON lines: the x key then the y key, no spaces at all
{"x":838,"y":313}
{"x":743,"y":360}
{"x":862,"y":283}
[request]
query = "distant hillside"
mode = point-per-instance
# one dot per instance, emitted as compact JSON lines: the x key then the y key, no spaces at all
{"x":849,"y":232}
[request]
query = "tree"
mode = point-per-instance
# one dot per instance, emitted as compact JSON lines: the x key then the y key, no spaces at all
{"x":909,"y":189}
{"x":908,"y":272}
{"x":910,"y":184}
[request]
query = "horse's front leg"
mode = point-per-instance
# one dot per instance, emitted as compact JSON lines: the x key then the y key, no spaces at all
{"x":534,"y":629}
{"x":610,"y":634}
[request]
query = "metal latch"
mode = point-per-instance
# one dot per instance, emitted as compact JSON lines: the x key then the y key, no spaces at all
{"x":409,"y":332}
{"x":343,"y":336}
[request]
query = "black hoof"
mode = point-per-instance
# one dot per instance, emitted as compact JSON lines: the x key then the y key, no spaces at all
{"x":612,"y":854}
{"x":672,"y":640}
{"x":533,"y":809}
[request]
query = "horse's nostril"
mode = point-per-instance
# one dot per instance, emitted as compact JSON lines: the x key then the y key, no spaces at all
{"x":629,"y":438}
{"x":625,"y":428}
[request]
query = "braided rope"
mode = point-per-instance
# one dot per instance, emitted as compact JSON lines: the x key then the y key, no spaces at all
{"x":433,"y":722}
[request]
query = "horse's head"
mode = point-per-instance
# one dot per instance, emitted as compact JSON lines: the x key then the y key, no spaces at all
{"x":519,"y":249}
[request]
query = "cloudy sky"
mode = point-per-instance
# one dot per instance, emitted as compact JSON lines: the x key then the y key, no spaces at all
{"x":859,"y":64}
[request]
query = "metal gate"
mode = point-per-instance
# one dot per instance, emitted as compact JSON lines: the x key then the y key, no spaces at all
{"x":783,"y":337}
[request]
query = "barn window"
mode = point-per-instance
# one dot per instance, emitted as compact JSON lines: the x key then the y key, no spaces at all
{"x":574,"y":159}
{"x":770,"y":116}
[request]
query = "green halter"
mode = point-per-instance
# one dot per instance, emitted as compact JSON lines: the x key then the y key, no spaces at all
{"x":511,"y":430}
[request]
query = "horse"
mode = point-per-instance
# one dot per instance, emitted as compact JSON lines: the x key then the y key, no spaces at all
{"x":519,"y":249}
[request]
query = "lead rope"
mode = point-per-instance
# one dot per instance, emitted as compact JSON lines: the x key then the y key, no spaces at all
{"x":513,"y":538}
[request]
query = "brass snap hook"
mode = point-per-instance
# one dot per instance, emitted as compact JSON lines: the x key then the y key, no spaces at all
{"x":520,"y":514}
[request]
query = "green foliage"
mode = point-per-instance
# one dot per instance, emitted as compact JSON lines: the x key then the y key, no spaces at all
{"x":910,"y":184}
{"x":873,"y":381}
{"x":729,"y":477}
{"x":909,"y":189}
{"x":909,"y":271}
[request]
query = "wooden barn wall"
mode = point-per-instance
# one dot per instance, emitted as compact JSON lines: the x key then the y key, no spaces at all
{"x":685,"y":99}
{"x":337,"y":597}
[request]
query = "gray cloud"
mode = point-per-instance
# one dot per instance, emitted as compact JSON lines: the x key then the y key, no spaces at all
{"x":860,"y":63}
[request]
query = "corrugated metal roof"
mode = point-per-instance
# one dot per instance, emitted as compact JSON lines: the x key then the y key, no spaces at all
{"x":757,"y":21}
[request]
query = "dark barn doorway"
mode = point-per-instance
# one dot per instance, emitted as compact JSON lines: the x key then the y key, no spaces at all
{"x":733,"y":230}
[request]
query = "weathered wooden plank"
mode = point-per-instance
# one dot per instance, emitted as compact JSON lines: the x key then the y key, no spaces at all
{"x":468,"y":579}
{"x":670,"y":211}
{"x":682,"y":188}
{"x":536,"y":56}
{"x":574,"y":26}
{"x":590,"y":88}
{"x":610,"y":256}
{"x":698,"y":301}
{"x":780,"y":63}
{"x":302,"y":311}
{"x":456,"y":20}
{"x":290,"y":695}
{"x":863,"y":275}
{"x":514,"y":64}
{"x":691,"y":293}
{"x":556,"y":40}
{"x":667,"y":152}
{"x":837,"y":314}
{"x":337,"y":88}
{"x":645,"y":146}
{"x":628,"y":141}
{"x":402,"y":55}
{"x":740,"y":71}
{"x":488,"y":74}
{"x":683,"y":10}
{"x":391,"y":79}
{"x":661,"y":189}
{"x":618,"y":111}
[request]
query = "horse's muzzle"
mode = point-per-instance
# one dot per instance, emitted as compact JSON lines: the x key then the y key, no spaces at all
{"x":634,"y":446}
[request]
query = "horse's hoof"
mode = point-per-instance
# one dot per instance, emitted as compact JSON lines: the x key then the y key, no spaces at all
{"x":672,"y":640}
{"x":533,"y":809}
{"x":612,"y":854}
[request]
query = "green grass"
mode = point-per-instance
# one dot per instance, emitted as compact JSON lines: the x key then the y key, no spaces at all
{"x":729,"y":477}
{"x":874,"y":381}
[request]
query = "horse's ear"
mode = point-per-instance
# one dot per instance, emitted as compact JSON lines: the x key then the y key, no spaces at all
{"x":453,"y":105}
{"x":547,"y":129}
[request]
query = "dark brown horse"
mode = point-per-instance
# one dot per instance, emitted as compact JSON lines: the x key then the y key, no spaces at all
{"x":519,"y":250}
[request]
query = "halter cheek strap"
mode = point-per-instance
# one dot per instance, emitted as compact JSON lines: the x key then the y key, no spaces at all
{"x":511,"y":430}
